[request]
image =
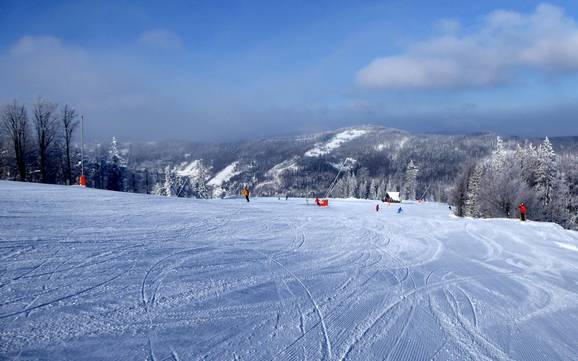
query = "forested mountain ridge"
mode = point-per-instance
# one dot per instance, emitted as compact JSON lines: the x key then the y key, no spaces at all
{"x":360,"y":162}
{"x":293,"y":165}
{"x":372,"y":160}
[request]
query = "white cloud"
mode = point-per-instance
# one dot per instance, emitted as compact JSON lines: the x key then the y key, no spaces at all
{"x":117,"y":91}
{"x":448,"y":25}
{"x":160,"y":38}
{"x":545,"y":40}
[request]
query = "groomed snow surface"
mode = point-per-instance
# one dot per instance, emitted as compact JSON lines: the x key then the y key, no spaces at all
{"x":95,"y":275}
{"x":337,"y":141}
{"x":224,"y":175}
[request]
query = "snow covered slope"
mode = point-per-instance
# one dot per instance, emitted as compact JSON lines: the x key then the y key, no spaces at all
{"x":337,"y":141}
{"x":190,"y":169}
{"x":88,"y":274}
{"x":224,"y":175}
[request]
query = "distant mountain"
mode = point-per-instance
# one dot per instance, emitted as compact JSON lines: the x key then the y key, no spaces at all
{"x":369,"y":160}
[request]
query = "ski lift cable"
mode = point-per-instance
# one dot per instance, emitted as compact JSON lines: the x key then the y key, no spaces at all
{"x":424,"y":192}
{"x":334,"y":183}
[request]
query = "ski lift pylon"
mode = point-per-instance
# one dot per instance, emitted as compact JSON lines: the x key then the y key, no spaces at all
{"x":325,"y":201}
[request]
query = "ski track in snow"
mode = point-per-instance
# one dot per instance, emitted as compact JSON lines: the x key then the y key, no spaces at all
{"x":88,"y":274}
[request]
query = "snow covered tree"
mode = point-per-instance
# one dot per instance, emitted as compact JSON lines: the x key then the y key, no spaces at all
{"x":381,"y":189}
{"x":560,"y":207}
{"x":499,"y":155}
{"x":114,"y":167}
{"x":459,"y":193}
{"x":169,"y":186}
{"x":546,"y":172}
{"x":113,"y":152}
{"x":351,"y":185}
{"x":527,"y":158}
{"x":362,"y":190}
{"x":373,"y":189}
{"x":472,"y":201}
{"x":502,"y":190}
{"x":410,"y":181}
{"x":199,"y":183}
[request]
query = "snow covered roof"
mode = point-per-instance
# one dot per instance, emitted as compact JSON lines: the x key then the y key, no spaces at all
{"x":394,"y":196}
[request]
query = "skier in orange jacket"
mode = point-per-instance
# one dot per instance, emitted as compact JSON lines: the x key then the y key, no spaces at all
{"x":245,"y":192}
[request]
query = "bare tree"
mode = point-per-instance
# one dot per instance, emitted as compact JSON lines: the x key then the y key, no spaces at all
{"x":69,"y":124}
{"x":15,"y":122}
{"x":46,"y":130}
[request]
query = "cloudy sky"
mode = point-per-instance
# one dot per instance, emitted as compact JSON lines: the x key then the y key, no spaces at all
{"x":230,"y":70}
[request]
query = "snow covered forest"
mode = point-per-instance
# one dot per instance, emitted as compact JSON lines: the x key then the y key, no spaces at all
{"x":481,"y":174}
{"x":495,"y":185}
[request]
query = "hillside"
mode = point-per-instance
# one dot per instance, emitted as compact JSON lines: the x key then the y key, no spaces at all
{"x":372,"y":160}
{"x":295,"y":165}
{"x":92,"y":274}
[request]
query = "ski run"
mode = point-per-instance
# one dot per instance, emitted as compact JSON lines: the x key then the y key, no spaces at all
{"x":95,"y":275}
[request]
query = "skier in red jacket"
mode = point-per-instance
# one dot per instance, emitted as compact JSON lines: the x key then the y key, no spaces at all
{"x":522,"y":208}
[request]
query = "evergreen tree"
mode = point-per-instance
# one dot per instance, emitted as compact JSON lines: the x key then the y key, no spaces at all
{"x":373,"y":189}
{"x":200,"y":183}
{"x":114,"y":168}
{"x":459,"y":193}
{"x":362,"y":190}
{"x":560,"y":207}
{"x":168,"y":187}
{"x":472,"y":202}
{"x":546,"y":172}
{"x":351,"y":185}
{"x":410,"y":181}
{"x":499,"y":156}
{"x":381,"y":190}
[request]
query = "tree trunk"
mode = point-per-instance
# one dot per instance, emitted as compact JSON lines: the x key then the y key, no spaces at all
{"x":20,"y":162}
{"x":43,"y":174}
{"x":68,"y":164}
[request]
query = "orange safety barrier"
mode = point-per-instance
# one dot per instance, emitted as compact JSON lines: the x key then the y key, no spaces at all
{"x":324,"y":203}
{"x":82,"y":181}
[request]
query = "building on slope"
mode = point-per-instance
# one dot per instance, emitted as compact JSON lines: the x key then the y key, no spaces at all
{"x":392,"y":197}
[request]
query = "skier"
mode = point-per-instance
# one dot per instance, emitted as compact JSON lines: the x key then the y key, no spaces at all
{"x":399,"y":210}
{"x":245,"y":192}
{"x":522,"y":208}
{"x":377,"y":207}
{"x":317,"y":201}
{"x":287,"y":196}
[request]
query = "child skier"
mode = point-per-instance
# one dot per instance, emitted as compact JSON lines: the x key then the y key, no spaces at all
{"x":522,"y":208}
{"x":245,"y":192}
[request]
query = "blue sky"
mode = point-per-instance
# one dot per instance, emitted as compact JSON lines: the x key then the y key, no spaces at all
{"x":229,"y":70}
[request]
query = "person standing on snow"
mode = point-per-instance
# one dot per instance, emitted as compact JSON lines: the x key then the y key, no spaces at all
{"x":522,"y":208}
{"x":377,"y":207}
{"x":245,"y":192}
{"x":399,"y":210}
